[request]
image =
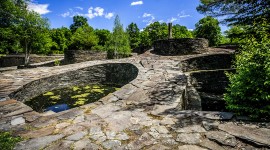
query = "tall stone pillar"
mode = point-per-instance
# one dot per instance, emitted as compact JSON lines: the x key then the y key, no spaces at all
{"x":170,"y":30}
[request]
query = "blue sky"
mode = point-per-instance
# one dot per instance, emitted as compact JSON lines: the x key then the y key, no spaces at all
{"x":101,"y":13}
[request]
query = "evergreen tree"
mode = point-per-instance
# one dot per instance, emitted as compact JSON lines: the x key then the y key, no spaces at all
{"x":118,"y":45}
{"x":237,"y":12}
{"x":134,"y":35}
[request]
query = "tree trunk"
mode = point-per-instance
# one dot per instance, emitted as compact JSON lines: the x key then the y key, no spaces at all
{"x":26,"y":58}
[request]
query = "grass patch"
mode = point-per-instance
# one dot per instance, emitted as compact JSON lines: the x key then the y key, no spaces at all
{"x":7,"y":141}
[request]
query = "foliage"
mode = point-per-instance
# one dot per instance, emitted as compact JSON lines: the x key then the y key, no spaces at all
{"x":208,"y":28}
{"x":235,"y":34}
{"x":118,"y":45}
{"x":134,"y":35}
{"x":57,"y":62}
{"x":248,"y":92}
{"x":7,"y":141}
{"x":103,"y":36}
{"x":157,"y":31}
{"x":32,"y":31}
{"x":60,"y":39}
{"x":237,"y":12}
{"x":84,"y":38}
{"x":78,"y":21}
{"x":98,"y":48}
{"x":145,"y":39}
{"x":9,"y":12}
{"x":181,"y":32}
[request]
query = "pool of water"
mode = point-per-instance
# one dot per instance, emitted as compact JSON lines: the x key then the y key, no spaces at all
{"x":66,"y":98}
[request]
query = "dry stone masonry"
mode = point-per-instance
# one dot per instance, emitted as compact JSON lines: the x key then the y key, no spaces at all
{"x":148,"y":112}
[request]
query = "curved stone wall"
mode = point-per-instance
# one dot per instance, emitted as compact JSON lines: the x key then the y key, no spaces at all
{"x":181,"y":46}
{"x":114,"y":73}
{"x":208,"y":62}
{"x":76,"y":56}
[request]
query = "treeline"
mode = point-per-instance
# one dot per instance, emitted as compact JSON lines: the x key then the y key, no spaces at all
{"x":25,"y":31}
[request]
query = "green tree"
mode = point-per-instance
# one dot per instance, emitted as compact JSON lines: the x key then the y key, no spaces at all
{"x":43,"y":43}
{"x":10,"y":12}
{"x":118,"y":45}
{"x":248,"y":91}
{"x":157,"y":31}
{"x":78,"y":21}
{"x":103,"y":36}
{"x":181,"y":32}
{"x":134,"y":35}
{"x":84,"y":38}
{"x":208,"y":28}
{"x":145,"y":39}
{"x":237,"y":12}
{"x":32,"y":29}
{"x":60,"y":38}
{"x":235,"y":34}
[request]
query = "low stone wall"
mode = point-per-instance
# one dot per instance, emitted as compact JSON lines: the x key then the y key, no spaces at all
{"x":181,"y":46}
{"x":17,"y":60}
{"x":208,"y":62}
{"x":76,"y":56}
{"x":209,"y":87}
{"x":117,"y":74}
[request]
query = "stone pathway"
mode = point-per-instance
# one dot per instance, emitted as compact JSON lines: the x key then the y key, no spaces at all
{"x":147,"y":113}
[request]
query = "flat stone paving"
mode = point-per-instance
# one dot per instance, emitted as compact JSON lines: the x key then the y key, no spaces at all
{"x":144,"y":114}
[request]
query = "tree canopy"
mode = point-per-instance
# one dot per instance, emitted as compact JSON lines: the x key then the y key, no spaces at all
{"x":84,"y":38}
{"x":118,"y":45}
{"x":134,"y":35}
{"x":208,"y":27}
{"x":181,"y":32}
{"x":78,"y":21}
{"x":237,"y":12}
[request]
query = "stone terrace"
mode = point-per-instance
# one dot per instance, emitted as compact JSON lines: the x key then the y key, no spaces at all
{"x":144,"y":114}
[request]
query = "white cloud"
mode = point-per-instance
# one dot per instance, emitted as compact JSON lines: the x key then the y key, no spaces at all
{"x":149,"y":18}
{"x":182,"y":14}
{"x":66,"y":14}
{"x":172,"y":19}
{"x":95,"y":12}
{"x":136,"y":3}
{"x":146,"y":15}
{"x":161,"y":21}
{"x":190,"y":29}
{"x":109,"y":15}
{"x":79,"y":8}
{"x":99,"y":11}
{"x":91,"y":13}
{"x":42,"y":9}
{"x":71,"y":13}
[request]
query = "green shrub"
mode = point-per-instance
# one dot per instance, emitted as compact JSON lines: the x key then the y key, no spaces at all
{"x":7,"y":141}
{"x":249,"y":90}
{"x":98,"y":48}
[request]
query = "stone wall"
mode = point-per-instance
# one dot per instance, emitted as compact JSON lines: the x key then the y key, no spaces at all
{"x":181,"y":46}
{"x":117,"y":74}
{"x":208,"y":62}
{"x":76,"y":56}
{"x":209,"y":88}
{"x":17,"y":60}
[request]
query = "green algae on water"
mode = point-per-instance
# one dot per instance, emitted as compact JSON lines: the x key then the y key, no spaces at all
{"x":71,"y":96}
